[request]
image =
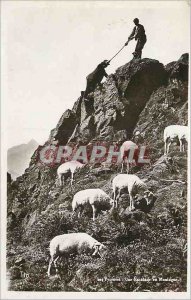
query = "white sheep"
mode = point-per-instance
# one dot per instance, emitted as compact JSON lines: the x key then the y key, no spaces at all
{"x":65,"y":168}
{"x":70,"y":243}
{"x":174,"y":133}
{"x":127,"y":151}
{"x":94,"y":197}
{"x":137,"y":189}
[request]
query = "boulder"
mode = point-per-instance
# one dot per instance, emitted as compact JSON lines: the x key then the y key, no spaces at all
{"x":64,"y":128}
{"x":178,"y":69}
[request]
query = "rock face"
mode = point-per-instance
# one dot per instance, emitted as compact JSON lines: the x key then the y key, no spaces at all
{"x":178,"y":69}
{"x":64,"y":128}
{"x":144,"y":96}
{"x":113,"y":108}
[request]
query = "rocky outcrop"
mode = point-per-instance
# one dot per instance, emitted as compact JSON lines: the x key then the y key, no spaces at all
{"x":113,"y":108}
{"x":9,"y":179}
{"x":178,"y":69}
{"x":168,"y":105}
{"x":64,"y":128}
{"x":139,"y":97}
{"x":112,"y":111}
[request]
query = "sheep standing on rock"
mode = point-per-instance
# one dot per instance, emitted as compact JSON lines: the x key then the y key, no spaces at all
{"x":66,"y":168}
{"x":137,"y":189}
{"x":70,"y":243}
{"x":175,"y":133}
{"x":94,"y":197}
{"x":128,"y":152}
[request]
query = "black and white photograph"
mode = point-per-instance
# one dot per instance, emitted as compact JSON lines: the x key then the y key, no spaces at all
{"x":95,"y":149}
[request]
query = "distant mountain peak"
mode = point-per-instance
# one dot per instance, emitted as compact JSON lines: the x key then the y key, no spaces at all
{"x":18,"y":157}
{"x":33,"y":142}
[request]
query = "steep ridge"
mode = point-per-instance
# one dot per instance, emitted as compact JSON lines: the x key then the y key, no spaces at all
{"x":113,"y":108}
{"x":144,"y":96}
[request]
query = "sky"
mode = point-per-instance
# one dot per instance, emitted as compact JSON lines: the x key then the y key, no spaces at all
{"x":49,"y":47}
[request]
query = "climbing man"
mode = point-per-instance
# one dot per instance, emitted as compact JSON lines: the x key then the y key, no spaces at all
{"x":96,"y":77}
{"x":139,"y":35}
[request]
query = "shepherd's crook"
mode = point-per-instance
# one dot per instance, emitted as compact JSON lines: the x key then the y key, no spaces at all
{"x":117,"y":53}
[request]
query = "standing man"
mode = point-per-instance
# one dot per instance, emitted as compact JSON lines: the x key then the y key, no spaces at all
{"x":139,"y":35}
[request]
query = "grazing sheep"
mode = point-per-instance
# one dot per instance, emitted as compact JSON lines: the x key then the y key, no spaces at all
{"x":70,"y":243}
{"x":95,"y":197}
{"x":174,"y":133}
{"x":137,"y":189}
{"x":128,"y":153}
{"x":67,"y":167}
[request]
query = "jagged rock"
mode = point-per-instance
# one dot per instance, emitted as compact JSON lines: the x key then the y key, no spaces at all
{"x":86,"y":110}
{"x":120,"y":136}
{"x":178,"y":69}
{"x":166,"y":106}
{"x":77,"y":108}
{"x":118,"y":104}
{"x":19,"y":261}
{"x":9,"y":179}
{"x":75,"y":135}
{"x":114,"y":107}
{"x":64,"y":128}
{"x":87,"y":127}
{"x":31,"y":219}
{"x":11,"y":220}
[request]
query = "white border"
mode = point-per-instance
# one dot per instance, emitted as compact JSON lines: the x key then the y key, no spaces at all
{"x":77,"y":295}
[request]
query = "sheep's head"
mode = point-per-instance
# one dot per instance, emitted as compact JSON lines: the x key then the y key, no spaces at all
{"x":149,"y":197}
{"x":111,"y":202}
{"x":98,"y":247}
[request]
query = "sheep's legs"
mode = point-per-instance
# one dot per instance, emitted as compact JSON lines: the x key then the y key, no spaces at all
{"x":72,"y":178}
{"x":165,"y":147}
{"x":167,"y":144}
{"x":94,"y":212}
{"x":181,"y":146}
{"x":168,"y":147}
{"x":61,"y":179}
{"x":80,"y":209}
{"x":54,"y":261}
{"x":114,"y":195}
{"x":122,"y":167}
{"x":128,"y":166}
{"x":131,"y":203}
{"x":117,"y":198}
{"x":49,"y":266}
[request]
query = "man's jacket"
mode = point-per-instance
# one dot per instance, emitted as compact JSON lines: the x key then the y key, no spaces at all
{"x":138,"y":32}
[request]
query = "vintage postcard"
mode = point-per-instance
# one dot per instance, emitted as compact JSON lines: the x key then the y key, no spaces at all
{"x":95,"y":154}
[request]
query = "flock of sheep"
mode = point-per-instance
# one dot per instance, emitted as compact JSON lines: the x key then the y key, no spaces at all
{"x":137,"y":189}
